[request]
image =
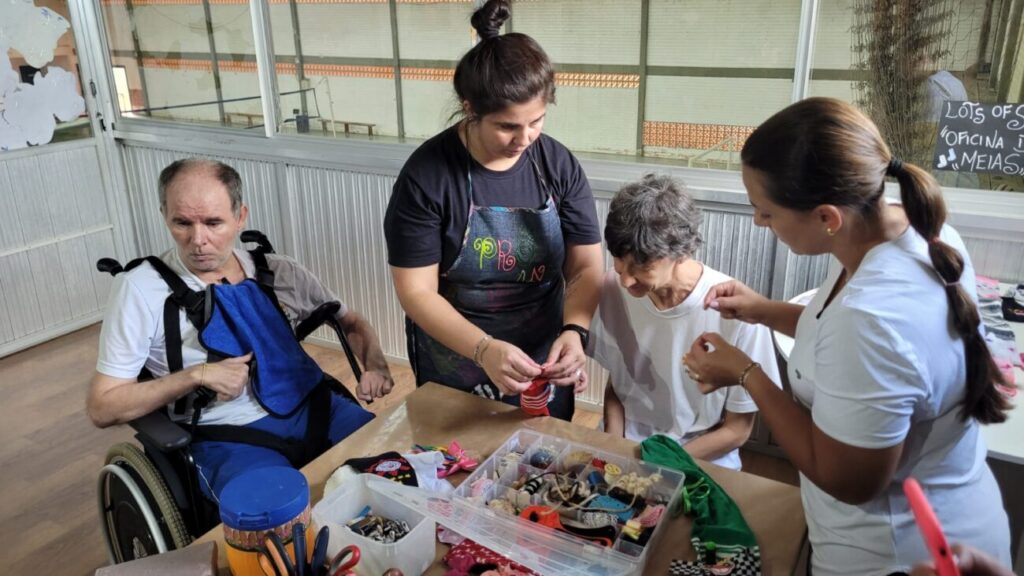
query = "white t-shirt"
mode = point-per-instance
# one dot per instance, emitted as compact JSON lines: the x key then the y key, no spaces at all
{"x":879,"y":366}
{"x":642,"y":348}
{"x":132,"y":336}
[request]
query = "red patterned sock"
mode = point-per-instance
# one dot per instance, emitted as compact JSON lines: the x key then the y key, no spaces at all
{"x":534,"y":400}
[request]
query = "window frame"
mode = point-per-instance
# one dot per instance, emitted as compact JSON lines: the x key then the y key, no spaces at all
{"x":1002,"y":212}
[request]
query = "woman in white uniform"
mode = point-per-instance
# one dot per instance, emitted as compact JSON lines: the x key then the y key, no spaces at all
{"x":890,"y":372}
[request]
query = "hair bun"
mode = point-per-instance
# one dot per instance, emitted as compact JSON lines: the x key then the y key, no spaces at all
{"x":488,"y":19}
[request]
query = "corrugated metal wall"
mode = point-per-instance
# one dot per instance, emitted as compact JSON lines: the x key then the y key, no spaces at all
{"x":997,"y":258}
{"x":330,"y":220}
{"x":54,"y":225}
{"x":338,"y":227}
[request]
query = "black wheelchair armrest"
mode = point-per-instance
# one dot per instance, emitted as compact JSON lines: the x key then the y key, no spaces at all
{"x":323,"y":314}
{"x":157,"y":430}
{"x":110,"y":266}
{"x":327,"y":313}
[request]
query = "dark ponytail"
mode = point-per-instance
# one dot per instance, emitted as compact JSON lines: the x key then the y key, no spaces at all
{"x":502,"y":70}
{"x":926,"y":210}
{"x":825,"y":151}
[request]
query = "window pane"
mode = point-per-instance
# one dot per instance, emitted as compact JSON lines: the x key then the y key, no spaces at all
{"x":597,"y":64}
{"x":187,"y":61}
{"x":716,"y":69}
{"x":335,"y":70}
{"x":962,"y":50}
{"x":595,"y":46}
{"x":41,"y":88}
{"x":432,"y":38}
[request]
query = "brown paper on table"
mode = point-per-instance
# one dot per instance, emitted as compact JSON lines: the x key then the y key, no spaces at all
{"x":197,"y":560}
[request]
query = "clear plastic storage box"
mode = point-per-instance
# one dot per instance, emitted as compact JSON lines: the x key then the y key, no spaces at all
{"x":412,"y":554}
{"x":543,"y":549}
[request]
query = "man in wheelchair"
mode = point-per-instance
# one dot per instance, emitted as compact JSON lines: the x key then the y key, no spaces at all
{"x":204,"y":320}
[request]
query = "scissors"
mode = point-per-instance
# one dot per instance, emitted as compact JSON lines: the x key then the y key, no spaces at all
{"x":273,"y":558}
{"x":299,"y":547}
{"x":318,"y":567}
{"x":344,"y":561}
{"x":931,"y":530}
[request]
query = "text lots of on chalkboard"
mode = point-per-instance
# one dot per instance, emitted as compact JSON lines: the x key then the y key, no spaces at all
{"x":976,"y":137}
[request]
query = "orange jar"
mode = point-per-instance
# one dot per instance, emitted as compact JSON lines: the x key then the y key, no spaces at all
{"x":260,"y":501}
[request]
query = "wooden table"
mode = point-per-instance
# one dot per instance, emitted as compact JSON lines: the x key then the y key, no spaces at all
{"x":436,"y":415}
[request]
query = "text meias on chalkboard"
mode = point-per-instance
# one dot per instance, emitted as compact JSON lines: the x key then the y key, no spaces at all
{"x":976,"y":137}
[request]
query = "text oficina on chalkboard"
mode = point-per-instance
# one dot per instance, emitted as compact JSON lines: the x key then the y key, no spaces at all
{"x":975,"y":137}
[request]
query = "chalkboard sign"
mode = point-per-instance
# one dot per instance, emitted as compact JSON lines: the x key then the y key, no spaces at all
{"x":984,"y":138}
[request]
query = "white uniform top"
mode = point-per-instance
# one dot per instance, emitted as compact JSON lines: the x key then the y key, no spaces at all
{"x":642,"y":348}
{"x":132,"y":335}
{"x":879,"y":366}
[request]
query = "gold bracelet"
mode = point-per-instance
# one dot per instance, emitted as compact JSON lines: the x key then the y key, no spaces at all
{"x":202,"y":376}
{"x":480,"y":348}
{"x":746,"y":372}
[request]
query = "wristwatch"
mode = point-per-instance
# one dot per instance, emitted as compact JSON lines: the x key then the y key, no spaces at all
{"x":583,"y":332}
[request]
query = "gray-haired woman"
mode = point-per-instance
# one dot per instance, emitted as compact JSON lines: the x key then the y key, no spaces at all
{"x":651,"y":311}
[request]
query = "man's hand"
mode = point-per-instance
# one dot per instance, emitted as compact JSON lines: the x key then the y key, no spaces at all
{"x":374,"y":384}
{"x":227,"y":378}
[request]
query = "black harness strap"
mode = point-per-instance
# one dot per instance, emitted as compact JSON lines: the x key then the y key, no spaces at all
{"x":265,"y":277}
{"x":182,"y":298}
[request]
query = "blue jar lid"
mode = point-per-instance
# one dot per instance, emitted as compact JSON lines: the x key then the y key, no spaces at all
{"x":264,"y":498}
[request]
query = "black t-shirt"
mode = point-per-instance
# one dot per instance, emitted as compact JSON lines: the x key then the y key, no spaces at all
{"x":429,"y":209}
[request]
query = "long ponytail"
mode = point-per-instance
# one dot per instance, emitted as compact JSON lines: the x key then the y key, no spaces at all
{"x":926,"y":210}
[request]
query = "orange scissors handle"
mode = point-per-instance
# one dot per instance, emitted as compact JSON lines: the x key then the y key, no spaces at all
{"x":931,"y":530}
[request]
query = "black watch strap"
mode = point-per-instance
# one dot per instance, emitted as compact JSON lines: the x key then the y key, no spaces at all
{"x":583,"y":332}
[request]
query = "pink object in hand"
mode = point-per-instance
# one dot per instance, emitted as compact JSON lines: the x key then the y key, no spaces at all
{"x":931,"y":530}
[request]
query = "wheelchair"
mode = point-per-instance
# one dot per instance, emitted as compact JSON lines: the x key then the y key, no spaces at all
{"x":149,"y":498}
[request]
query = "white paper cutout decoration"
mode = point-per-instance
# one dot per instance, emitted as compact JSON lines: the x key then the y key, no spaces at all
{"x":28,"y":111}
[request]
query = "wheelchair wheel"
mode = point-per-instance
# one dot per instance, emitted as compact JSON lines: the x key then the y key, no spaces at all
{"x":138,"y":515}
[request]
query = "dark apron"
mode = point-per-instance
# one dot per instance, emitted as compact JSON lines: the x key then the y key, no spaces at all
{"x":506,"y":280}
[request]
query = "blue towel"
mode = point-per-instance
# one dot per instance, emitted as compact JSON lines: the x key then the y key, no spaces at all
{"x":244,"y":319}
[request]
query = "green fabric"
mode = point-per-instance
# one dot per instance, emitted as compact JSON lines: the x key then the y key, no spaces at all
{"x":716,"y":518}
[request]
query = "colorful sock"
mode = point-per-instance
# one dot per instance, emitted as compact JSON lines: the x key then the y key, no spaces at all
{"x":988,"y":288}
{"x":390,"y":465}
{"x":716,"y":518}
{"x":1013,"y":307}
{"x":463,"y":559}
{"x":534,"y":401}
{"x":999,"y":334}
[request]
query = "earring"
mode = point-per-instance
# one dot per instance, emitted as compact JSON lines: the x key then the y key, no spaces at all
{"x":829,"y":231}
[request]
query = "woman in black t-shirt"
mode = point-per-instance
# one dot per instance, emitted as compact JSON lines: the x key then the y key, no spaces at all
{"x":493,"y":237}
